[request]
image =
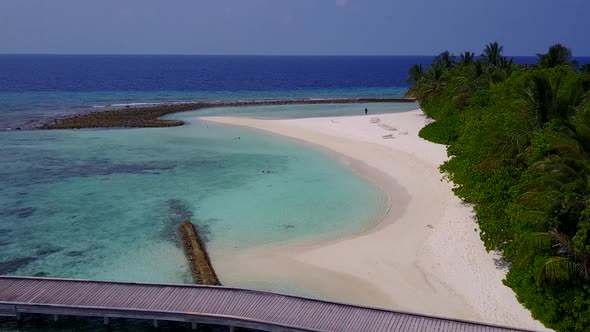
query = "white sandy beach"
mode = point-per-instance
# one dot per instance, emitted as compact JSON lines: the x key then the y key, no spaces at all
{"x":425,"y":256}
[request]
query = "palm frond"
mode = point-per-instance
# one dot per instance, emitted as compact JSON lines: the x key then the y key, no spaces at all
{"x":538,"y":240}
{"x":557,"y":269}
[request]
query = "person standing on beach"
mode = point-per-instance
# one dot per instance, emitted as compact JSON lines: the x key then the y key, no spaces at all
{"x":366,"y":111}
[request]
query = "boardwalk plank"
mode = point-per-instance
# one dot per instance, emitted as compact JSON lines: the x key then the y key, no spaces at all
{"x":267,"y":312}
{"x":359,"y":322}
{"x":100,"y":296}
{"x":112,"y":294}
{"x":350,"y":321}
{"x":371,"y":319}
{"x":438,"y":326}
{"x":261,"y":306}
{"x":153,"y":302}
{"x":294,"y":310}
{"x":10,"y":290}
{"x":216,"y":305}
{"x":134,"y":296}
{"x":428,"y":325}
{"x":30,"y":292}
{"x":57,"y":294}
{"x":86,"y":298}
{"x":379,"y":317}
{"x":311,"y":314}
{"x":240,"y":304}
{"x":401,"y":323}
{"x":219,"y":302}
{"x":394,"y":320}
{"x":162,"y":303}
{"x":444,"y":325}
{"x":279,"y":306}
{"x":70,"y":295}
{"x":337,"y":321}
{"x":248,"y":305}
{"x":204,"y":298}
{"x":119,"y":295}
{"x":228,"y":305}
{"x":303,"y":318}
{"x":385,"y":322}
{"x":326,"y":317}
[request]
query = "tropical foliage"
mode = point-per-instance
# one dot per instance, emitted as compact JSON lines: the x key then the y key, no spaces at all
{"x":558,"y":55}
{"x":519,"y":145}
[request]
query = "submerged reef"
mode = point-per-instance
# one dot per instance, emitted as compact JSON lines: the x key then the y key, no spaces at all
{"x":150,"y":116}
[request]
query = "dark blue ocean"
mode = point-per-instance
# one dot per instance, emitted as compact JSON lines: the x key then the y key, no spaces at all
{"x":26,"y":73}
{"x":35,"y":88}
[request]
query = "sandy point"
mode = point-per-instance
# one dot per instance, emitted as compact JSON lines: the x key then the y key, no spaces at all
{"x":424,"y":256}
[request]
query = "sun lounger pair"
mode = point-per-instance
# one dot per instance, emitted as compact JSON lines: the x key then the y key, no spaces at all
{"x":387,"y":127}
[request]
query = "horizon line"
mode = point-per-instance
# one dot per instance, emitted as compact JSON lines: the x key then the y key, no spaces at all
{"x":259,"y":55}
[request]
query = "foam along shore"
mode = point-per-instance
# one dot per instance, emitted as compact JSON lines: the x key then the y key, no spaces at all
{"x":425,"y":256}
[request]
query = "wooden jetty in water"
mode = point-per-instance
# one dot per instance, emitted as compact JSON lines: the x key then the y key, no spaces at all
{"x":232,"y":307}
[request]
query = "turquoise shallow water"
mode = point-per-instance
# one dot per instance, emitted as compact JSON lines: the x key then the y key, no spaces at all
{"x":308,"y":111}
{"x":106,"y":204}
{"x":18,"y":109}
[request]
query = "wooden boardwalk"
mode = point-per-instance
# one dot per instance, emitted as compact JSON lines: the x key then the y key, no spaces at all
{"x":210,"y":305}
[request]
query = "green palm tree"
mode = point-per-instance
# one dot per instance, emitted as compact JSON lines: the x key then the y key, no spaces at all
{"x":506,"y":63}
{"x":436,"y":71}
{"x":446,"y":58}
{"x":492,"y":54}
{"x":560,"y":196}
{"x":432,"y":82}
{"x":558,"y":55}
{"x":495,"y":67}
{"x":466,"y":58}
{"x":550,"y":98}
{"x":415,"y":74}
{"x":569,"y":261}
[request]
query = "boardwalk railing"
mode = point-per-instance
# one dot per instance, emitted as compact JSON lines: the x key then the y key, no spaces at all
{"x":227,"y":306}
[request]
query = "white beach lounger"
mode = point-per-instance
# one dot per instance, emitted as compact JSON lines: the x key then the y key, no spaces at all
{"x":387,"y":127}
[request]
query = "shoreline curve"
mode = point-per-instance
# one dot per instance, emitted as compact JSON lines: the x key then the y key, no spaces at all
{"x":150,"y":116}
{"x":425,"y":257}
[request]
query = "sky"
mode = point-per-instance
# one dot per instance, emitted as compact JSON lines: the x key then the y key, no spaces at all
{"x":291,"y":27}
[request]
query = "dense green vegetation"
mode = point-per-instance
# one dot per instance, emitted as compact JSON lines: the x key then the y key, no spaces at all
{"x":519,"y":144}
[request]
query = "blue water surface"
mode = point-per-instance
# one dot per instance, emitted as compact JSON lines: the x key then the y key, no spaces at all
{"x":36,"y":88}
{"x":39,"y":87}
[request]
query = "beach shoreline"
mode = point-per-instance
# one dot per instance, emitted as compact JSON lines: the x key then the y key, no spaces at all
{"x":150,"y":115}
{"x":424,"y":256}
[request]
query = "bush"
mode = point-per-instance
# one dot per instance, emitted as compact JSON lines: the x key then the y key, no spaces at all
{"x":519,"y":148}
